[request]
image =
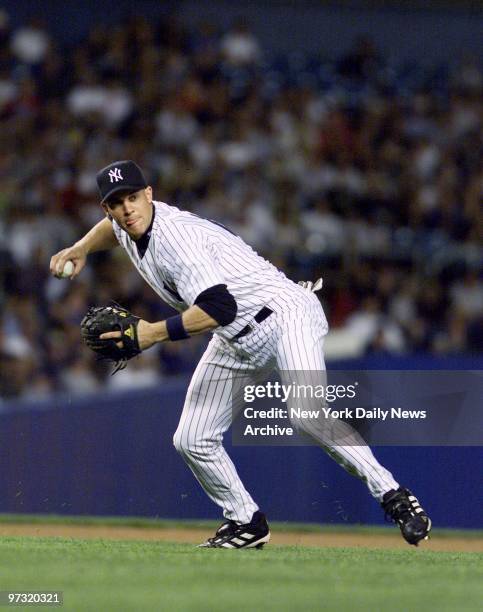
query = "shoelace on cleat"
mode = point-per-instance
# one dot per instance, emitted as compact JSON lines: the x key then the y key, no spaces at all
{"x":400,"y":511}
{"x":403,"y":509}
{"x":228,"y":528}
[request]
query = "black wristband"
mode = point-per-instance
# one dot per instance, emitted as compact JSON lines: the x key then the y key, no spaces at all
{"x":175,"y":328}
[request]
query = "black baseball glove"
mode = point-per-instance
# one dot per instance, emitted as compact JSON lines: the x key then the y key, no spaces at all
{"x":102,"y":319}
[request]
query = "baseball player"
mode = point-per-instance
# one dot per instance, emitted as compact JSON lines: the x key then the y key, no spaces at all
{"x":260,"y":321}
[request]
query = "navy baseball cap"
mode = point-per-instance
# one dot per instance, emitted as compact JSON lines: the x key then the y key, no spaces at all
{"x":120,"y":176}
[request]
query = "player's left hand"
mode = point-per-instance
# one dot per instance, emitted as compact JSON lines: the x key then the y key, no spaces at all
{"x":103,"y":325}
{"x":144,"y":331}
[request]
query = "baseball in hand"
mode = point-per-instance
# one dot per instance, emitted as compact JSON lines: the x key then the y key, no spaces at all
{"x":68,"y":270}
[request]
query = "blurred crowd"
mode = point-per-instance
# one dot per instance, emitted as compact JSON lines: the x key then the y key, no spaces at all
{"x":368,"y":174}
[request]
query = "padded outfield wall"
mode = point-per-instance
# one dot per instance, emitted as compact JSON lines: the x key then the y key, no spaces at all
{"x":113,"y":455}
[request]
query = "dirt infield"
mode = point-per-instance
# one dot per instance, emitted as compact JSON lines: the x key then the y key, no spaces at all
{"x":195,"y":536}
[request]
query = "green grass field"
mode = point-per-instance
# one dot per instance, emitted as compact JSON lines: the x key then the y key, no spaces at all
{"x":104,"y":575}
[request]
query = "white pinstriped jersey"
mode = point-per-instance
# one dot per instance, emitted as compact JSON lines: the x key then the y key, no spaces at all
{"x":187,"y":254}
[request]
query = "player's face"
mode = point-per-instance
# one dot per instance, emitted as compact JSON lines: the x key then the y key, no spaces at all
{"x":132,"y":211}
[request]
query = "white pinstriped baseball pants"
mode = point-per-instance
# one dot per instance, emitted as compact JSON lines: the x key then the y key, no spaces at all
{"x":291,"y":339}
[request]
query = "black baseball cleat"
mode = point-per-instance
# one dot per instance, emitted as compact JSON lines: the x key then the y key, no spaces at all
{"x":403,"y":508}
{"x":230,"y":534}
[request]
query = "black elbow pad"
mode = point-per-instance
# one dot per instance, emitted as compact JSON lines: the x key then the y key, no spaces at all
{"x":219,"y":303}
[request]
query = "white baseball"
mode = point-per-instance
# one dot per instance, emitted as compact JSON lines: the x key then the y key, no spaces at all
{"x":68,"y":270}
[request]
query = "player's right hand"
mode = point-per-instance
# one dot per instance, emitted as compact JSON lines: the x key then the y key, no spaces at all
{"x":76,"y":254}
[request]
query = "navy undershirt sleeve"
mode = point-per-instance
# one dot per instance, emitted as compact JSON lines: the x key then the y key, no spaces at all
{"x":219,"y":303}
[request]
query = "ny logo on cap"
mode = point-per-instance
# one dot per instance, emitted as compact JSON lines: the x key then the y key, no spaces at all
{"x":115,"y":175}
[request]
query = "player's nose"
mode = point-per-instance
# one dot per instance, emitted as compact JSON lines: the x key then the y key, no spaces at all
{"x":127,"y":207}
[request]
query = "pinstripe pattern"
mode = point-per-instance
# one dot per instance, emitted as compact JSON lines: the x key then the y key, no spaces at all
{"x":300,"y":359}
{"x":187,"y":255}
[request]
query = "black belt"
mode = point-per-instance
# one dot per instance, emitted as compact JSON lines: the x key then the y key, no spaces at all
{"x":261,"y":315}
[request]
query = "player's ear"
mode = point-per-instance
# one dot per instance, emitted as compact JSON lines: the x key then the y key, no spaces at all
{"x":106,"y":210}
{"x":149,"y":193}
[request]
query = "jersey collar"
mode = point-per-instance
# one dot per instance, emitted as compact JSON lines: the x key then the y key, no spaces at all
{"x":142,"y":243}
